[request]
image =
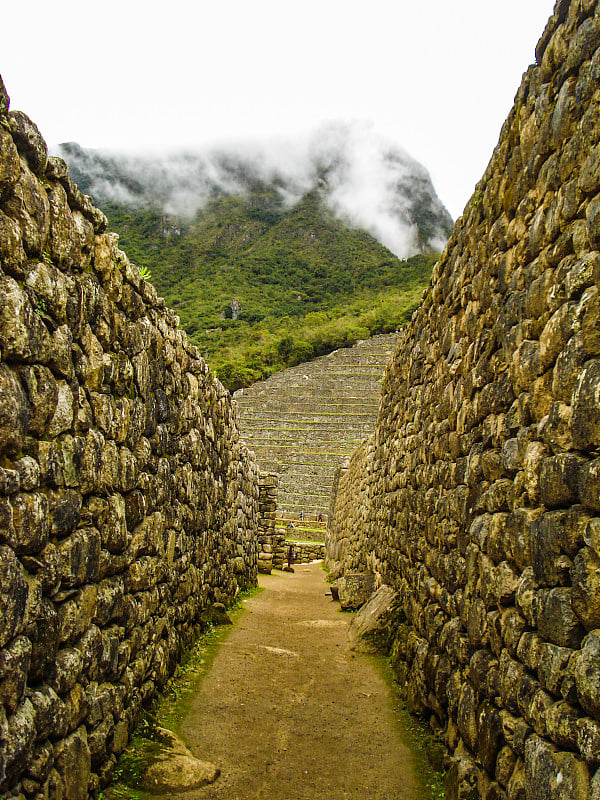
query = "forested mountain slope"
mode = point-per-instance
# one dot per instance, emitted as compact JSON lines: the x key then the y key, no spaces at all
{"x":266,"y":268}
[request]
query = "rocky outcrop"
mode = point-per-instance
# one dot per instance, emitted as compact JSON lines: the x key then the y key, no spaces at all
{"x":477,"y":497}
{"x":128,"y":505}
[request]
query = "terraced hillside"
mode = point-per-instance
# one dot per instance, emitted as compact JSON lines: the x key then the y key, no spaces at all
{"x":303,"y":422}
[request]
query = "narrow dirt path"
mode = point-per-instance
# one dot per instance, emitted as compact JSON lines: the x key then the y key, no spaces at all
{"x":289,"y":713}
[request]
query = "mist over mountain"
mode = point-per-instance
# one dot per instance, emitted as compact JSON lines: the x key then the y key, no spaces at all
{"x":279,"y":252}
{"x":363,"y":179}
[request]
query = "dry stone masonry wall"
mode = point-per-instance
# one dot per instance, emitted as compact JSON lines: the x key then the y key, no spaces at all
{"x":304,"y":552}
{"x":128,"y":504}
{"x":478,"y":497}
{"x":267,"y":535}
{"x":272,"y":542}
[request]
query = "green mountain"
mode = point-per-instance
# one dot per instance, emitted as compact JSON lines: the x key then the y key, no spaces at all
{"x":263,"y":269}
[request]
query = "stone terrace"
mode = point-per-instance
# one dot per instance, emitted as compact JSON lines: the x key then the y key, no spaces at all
{"x":304,"y":422}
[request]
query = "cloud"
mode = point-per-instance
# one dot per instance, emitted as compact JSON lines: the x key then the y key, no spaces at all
{"x":364,"y":179}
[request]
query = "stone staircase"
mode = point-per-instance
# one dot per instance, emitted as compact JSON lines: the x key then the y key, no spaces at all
{"x":304,"y":422}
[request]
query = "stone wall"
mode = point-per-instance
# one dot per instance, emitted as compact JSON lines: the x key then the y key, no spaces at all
{"x":267,"y":535}
{"x":272,"y":544}
{"x":127,"y":503}
{"x":347,"y":515}
{"x":479,"y":500}
{"x":304,"y":552}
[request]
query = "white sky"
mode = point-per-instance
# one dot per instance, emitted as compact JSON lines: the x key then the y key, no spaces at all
{"x":437,"y":76}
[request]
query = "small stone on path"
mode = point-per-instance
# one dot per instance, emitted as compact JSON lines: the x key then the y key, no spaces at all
{"x":176,"y":769}
{"x":367,"y":630}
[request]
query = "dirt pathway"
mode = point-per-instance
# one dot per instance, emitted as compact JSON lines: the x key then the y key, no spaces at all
{"x":289,"y":713}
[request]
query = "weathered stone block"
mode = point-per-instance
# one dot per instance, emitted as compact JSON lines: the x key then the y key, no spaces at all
{"x":561,"y":723}
{"x":14,"y":666}
{"x":592,"y":222}
{"x":553,"y":774}
{"x":585,"y":597}
{"x":501,"y":584}
{"x":554,"y":534}
{"x":582,"y":47}
{"x":557,"y":428}
{"x":592,"y":534}
{"x":19,"y":739}
{"x":64,"y":511}
{"x":14,"y":412}
{"x":28,"y":206}
{"x":557,"y":621}
{"x":49,"y":713}
{"x":76,"y":706}
{"x":586,"y":408}
{"x":44,"y":639}
{"x":98,"y":740}
{"x":491,"y":737}
{"x":66,"y":670}
{"x":29,"y":141}
{"x":41,"y":762}
{"x":75,"y":615}
{"x":9,"y":164}
{"x":11,"y":247}
{"x":354,"y":589}
{"x":559,"y":478}
{"x":552,"y":666}
{"x":42,"y":393}
{"x":369,"y":629}
{"x":110,"y":600}
{"x":567,"y":369}
{"x":587,"y":673}
{"x":589,"y":484}
{"x":73,"y":762}
{"x":555,"y":335}
{"x":27,"y":529}
{"x":64,"y":237}
{"x":588,"y":739}
{"x":79,"y":557}
{"x":62,"y":419}
{"x":14,"y":596}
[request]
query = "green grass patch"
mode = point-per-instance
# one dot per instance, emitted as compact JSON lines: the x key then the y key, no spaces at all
{"x":427,"y":750}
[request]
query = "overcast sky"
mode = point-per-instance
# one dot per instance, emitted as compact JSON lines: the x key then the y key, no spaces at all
{"x":436,"y":76}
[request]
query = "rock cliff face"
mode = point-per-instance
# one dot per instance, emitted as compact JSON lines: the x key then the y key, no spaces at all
{"x":128,"y":504}
{"x":477,"y":497}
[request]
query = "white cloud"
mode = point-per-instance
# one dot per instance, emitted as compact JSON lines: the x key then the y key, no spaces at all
{"x":364,"y":178}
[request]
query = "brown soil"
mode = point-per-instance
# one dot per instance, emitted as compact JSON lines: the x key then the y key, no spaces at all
{"x":288,"y":712}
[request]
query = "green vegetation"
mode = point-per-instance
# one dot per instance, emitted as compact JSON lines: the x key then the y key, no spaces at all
{"x":426,"y":748}
{"x":305,"y":282}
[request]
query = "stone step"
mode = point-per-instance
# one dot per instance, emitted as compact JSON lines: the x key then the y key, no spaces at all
{"x":307,"y":408}
{"x":304,"y":422}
